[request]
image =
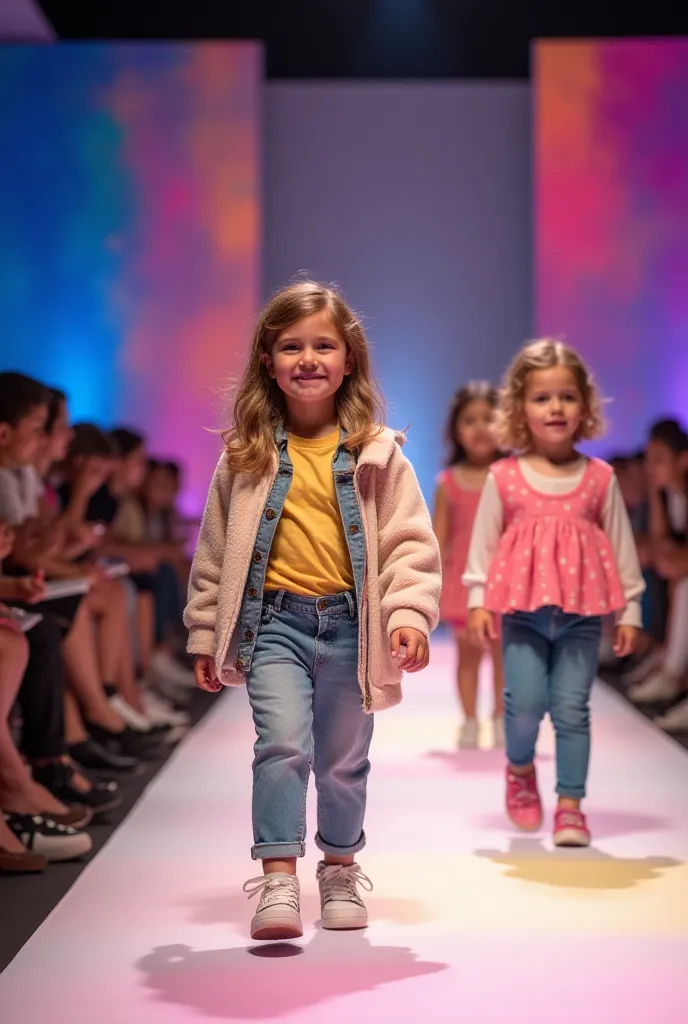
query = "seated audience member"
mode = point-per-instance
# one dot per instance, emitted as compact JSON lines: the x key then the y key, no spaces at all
{"x":667,"y":474}
{"x":38,"y":548}
{"x":114,"y":505}
{"x":45,"y":823}
{"x":159,"y":603}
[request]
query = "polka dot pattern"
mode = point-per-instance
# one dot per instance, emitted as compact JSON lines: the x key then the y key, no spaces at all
{"x":553,"y":550}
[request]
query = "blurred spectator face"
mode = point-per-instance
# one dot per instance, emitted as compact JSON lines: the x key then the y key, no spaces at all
{"x":21,"y":444}
{"x":133,"y":468}
{"x":160,"y":489}
{"x":631,"y":477}
{"x":663,"y":466}
{"x":56,"y":443}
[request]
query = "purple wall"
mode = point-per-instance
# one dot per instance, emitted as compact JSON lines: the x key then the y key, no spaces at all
{"x":416,"y":199}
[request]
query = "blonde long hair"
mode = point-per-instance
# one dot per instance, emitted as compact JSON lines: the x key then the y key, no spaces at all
{"x":511,"y":428}
{"x":259,"y":406}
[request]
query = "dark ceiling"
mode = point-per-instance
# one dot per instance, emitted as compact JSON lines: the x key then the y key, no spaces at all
{"x":373,"y":38}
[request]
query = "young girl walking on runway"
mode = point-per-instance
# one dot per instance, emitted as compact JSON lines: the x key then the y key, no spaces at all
{"x":316,"y":580}
{"x":472,"y":450}
{"x":553,"y":552}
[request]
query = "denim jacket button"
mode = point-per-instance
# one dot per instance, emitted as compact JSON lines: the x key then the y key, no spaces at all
{"x":353,"y":528}
{"x":257,"y":557}
{"x":239,"y":664}
{"x":249,"y":635}
{"x":252,"y":592}
{"x":270,"y":514}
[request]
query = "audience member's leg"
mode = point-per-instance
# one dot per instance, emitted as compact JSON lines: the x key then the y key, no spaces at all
{"x":84,"y":676}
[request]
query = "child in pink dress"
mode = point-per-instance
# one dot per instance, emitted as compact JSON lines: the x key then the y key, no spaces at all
{"x":472,"y":450}
{"x":553,"y":552}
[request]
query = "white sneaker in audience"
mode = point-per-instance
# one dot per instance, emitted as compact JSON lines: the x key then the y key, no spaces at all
{"x":639,"y":673}
{"x":675,"y":720}
{"x":161,"y":712}
{"x":468,"y":735}
{"x":43,"y":836}
{"x":656,"y":687}
{"x":164,"y":666}
{"x":134,"y":719}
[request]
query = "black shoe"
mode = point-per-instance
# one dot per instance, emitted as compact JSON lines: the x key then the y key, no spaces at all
{"x":58,"y":779}
{"x":127,"y":742}
{"x":92,"y":755}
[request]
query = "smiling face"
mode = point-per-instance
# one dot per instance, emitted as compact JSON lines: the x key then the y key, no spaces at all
{"x":553,"y":408}
{"x":309,"y":361}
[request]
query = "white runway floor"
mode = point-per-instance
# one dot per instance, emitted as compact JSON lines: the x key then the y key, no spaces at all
{"x":470,"y":923}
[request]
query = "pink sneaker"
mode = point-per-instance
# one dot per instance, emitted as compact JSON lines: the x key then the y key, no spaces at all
{"x":523,"y":801}
{"x":570,"y":828}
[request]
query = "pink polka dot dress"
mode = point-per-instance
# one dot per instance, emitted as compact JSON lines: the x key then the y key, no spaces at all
{"x":553,"y":550}
{"x":463,"y":504}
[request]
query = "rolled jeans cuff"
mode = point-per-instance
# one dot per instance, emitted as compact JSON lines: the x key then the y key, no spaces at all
{"x":277,"y":851}
{"x":340,"y":851}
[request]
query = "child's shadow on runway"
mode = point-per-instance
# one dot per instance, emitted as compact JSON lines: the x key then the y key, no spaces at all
{"x":476,"y":762}
{"x":276,"y":979}
{"x":530,"y":861}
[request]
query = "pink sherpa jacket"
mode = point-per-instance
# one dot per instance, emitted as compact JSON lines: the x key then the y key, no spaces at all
{"x":402,"y":580}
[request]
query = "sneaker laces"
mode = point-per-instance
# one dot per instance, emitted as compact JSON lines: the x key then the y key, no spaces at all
{"x":526,"y":791}
{"x":570,"y":819}
{"x":275,"y":888}
{"x":340,"y":881}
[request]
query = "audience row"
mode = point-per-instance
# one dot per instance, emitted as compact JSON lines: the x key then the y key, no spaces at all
{"x":93,"y":571}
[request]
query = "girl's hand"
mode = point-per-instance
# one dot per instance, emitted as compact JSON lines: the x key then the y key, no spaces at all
{"x":206,"y":673}
{"x":417,"y":647}
{"x":481,"y":628}
{"x":626,"y":639}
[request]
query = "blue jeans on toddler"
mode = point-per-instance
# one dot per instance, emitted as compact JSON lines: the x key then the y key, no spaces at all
{"x":308,"y":710}
{"x":550,"y":663}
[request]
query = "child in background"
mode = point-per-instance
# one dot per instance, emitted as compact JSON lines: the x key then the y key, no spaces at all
{"x":552,"y":551}
{"x":316,"y":581}
{"x":472,"y":451}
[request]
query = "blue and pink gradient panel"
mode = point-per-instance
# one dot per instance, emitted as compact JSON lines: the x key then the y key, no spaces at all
{"x":611,"y":201}
{"x":130,"y":232}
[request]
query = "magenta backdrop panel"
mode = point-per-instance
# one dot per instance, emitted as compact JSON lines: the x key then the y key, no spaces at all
{"x":130,"y":231}
{"x":611,"y":218}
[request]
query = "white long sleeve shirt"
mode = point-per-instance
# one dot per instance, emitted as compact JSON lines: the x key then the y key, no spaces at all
{"x":489,"y":527}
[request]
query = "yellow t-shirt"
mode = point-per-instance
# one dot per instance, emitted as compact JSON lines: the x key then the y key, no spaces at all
{"x":309,"y":553}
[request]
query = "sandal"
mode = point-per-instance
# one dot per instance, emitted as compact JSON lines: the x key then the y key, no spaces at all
{"x":26,"y":863}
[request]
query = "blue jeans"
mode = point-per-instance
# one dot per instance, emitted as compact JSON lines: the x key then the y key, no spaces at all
{"x":307,"y":709}
{"x":550,"y":663}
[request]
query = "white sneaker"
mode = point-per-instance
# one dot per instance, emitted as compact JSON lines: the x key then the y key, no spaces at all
{"x":676,"y":719}
{"x":54,"y":842}
{"x":161,"y":712}
{"x":499,"y":736}
{"x":656,"y":687}
{"x":278,"y":915}
{"x":341,"y":905}
{"x":639,"y":673}
{"x":134,"y":719}
{"x":468,"y":734}
{"x":164,"y":666}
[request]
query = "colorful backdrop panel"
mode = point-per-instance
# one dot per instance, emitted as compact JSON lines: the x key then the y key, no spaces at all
{"x":130,"y":231}
{"x":611,"y":218}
